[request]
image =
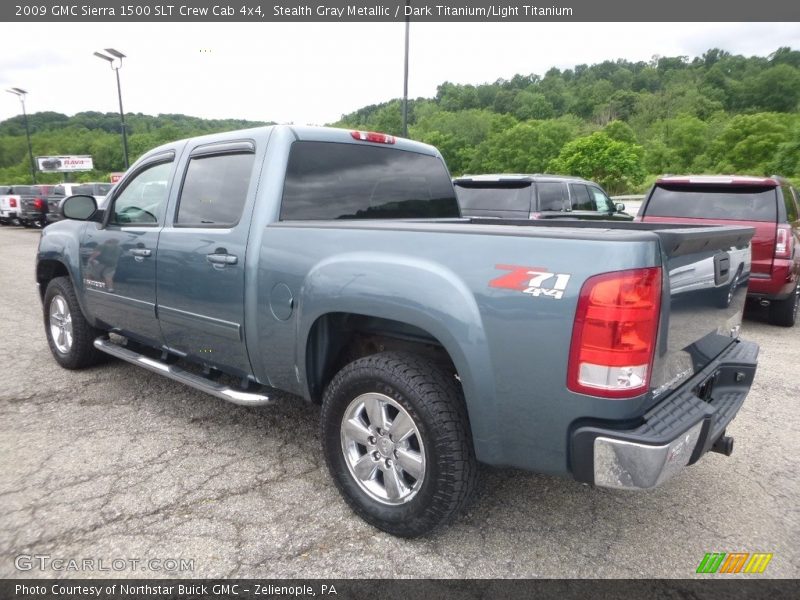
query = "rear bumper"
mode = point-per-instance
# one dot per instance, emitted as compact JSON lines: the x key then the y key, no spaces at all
{"x":776,"y":286}
{"x":673,"y":434}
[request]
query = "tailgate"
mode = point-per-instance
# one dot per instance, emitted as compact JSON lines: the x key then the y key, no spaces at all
{"x":28,"y":204}
{"x":706,"y":276}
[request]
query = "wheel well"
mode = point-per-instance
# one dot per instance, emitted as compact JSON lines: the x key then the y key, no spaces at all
{"x":337,"y":339}
{"x":46,"y":271}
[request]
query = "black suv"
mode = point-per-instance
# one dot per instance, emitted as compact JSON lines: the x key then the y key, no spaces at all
{"x":535,"y":197}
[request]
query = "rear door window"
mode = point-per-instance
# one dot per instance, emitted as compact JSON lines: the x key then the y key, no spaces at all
{"x":552,"y":196}
{"x":580,"y":198}
{"x":733,"y":203}
{"x":328,"y":180}
{"x":494,"y":197}
{"x":215,"y":190}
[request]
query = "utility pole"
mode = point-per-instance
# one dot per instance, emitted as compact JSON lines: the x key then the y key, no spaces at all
{"x":405,"y":74}
{"x":20,"y":93}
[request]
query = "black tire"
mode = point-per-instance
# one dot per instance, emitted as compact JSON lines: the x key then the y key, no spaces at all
{"x":433,"y":400}
{"x":80,"y":353}
{"x":784,"y":312}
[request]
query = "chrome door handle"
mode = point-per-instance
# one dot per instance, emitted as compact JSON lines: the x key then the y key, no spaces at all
{"x":140,"y":252}
{"x":222,"y":259}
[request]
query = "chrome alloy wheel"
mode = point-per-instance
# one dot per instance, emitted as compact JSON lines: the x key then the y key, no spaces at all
{"x":383,"y":448}
{"x":61,"y":324}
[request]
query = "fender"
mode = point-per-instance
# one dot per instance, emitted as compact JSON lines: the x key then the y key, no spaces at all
{"x":418,"y":292}
{"x":60,"y":242}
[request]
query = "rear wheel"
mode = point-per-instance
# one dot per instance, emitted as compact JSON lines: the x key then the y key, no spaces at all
{"x":725,"y":295}
{"x":69,"y":335}
{"x":396,"y":440}
{"x":784,"y":312}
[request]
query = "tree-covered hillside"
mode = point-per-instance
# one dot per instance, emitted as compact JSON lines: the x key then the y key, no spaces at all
{"x":97,"y":134}
{"x":618,"y":122}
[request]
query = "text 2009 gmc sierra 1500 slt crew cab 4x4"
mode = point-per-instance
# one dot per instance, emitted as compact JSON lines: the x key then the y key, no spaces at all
{"x":335,"y":265}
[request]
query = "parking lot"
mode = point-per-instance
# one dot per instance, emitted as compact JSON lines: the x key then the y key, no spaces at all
{"x":117,"y":463}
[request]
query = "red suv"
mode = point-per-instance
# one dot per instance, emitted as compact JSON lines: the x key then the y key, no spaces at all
{"x":769,"y":204}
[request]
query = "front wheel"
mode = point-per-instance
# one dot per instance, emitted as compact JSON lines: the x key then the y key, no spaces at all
{"x":397,"y":443}
{"x":784,"y":312}
{"x":69,"y":335}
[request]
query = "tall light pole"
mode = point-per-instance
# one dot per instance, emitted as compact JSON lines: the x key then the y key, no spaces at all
{"x":115,"y":60}
{"x":405,"y":76}
{"x":20,"y":93}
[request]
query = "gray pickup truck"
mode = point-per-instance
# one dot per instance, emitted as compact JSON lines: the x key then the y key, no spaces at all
{"x":335,"y":265}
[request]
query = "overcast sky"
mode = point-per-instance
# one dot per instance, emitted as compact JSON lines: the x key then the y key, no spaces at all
{"x":312,"y":73}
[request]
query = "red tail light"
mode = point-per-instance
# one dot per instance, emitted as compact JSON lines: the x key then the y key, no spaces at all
{"x":614,"y":335}
{"x":784,"y":242}
{"x":38,"y":204}
{"x":372,"y":136}
{"x":12,"y":203}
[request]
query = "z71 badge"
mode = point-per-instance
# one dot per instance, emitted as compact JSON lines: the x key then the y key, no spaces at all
{"x":536,"y":281}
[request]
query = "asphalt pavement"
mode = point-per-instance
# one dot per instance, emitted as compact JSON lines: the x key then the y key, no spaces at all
{"x":145,"y":477}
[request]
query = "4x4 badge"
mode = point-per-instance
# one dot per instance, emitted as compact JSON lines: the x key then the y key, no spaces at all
{"x":536,"y":281}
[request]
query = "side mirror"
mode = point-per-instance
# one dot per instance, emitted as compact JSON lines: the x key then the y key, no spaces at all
{"x":78,"y":207}
{"x":620,"y":207}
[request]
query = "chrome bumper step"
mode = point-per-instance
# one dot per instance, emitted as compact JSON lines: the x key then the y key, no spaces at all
{"x":181,"y":375}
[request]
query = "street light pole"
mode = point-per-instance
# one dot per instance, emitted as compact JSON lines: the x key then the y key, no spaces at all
{"x":405,"y":76}
{"x":20,"y":93}
{"x":115,"y":60}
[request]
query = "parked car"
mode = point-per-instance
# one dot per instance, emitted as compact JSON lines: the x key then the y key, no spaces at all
{"x":335,"y":265}
{"x":9,"y":205}
{"x":51,"y":164}
{"x":32,"y":201}
{"x":59,"y":192}
{"x":535,"y":197}
{"x":769,"y":204}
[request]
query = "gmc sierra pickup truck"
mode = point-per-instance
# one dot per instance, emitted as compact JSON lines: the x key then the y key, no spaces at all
{"x":335,"y":265}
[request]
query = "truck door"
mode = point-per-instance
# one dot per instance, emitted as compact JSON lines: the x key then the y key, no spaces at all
{"x":118,"y":258}
{"x":201,"y":270}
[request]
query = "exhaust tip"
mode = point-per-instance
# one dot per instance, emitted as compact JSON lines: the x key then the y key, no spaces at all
{"x":723,"y":445}
{"x":764,"y":302}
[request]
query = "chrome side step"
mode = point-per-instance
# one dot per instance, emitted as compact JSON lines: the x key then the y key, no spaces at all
{"x":181,"y":375}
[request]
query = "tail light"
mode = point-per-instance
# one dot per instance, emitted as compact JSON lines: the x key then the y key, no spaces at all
{"x":12,"y":203}
{"x":614,"y":335}
{"x":38,"y":204}
{"x":372,"y":136}
{"x":784,"y":242}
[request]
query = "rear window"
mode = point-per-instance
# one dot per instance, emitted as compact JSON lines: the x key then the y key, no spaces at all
{"x":327,"y":180}
{"x":491,"y":196}
{"x":25,"y":190}
{"x":731,"y":203}
{"x":4,"y":190}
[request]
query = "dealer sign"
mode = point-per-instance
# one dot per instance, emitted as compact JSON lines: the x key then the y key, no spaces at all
{"x":64,"y":163}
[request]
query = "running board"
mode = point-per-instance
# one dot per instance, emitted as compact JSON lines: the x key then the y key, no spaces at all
{"x":181,"y":375}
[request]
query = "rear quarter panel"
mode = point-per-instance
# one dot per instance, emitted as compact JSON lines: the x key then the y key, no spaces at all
{"x":510,"y":348}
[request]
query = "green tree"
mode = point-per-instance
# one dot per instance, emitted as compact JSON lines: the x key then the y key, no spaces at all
{"x":615,"y":165}
{"x":524,"y":148}
{"x":749,"y":143}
